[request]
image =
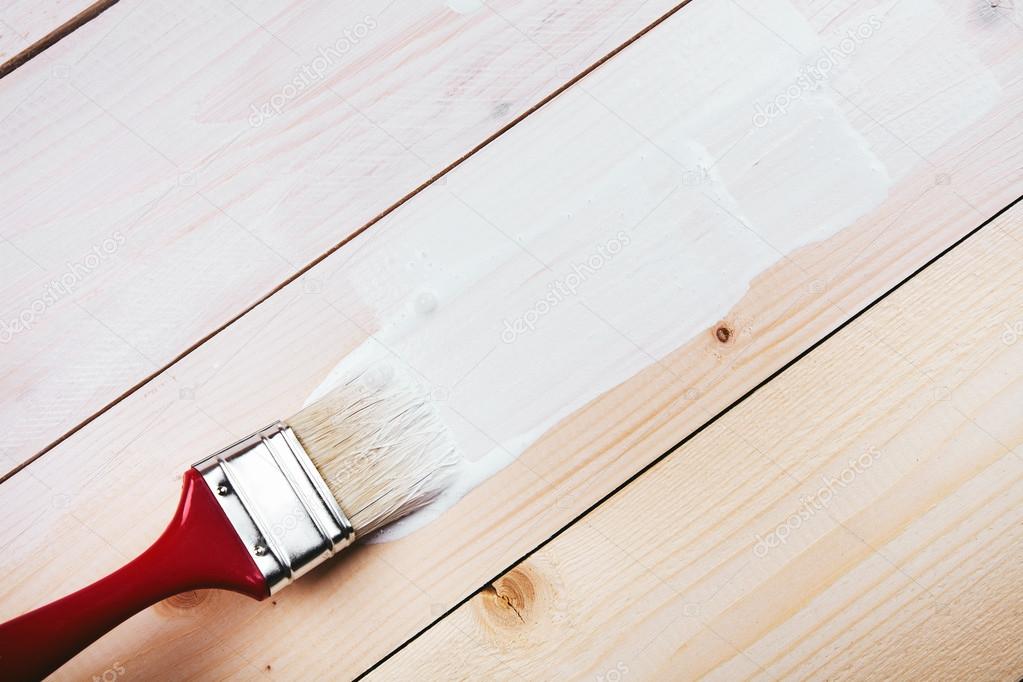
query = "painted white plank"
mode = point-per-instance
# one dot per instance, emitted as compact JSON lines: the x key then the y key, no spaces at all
{"x":635,"y":349}
{"x":169,"y":164}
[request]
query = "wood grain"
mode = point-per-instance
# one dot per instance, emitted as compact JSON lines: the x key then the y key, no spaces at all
{"x":169,"y":164}
{"x":787,"y":237}
{"x":859,"y":517}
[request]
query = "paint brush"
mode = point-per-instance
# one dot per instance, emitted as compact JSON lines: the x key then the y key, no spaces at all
{"x":261,"y":513}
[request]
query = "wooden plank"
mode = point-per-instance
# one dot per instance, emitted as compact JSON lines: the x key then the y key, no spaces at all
{"x":169,"y":164}
{"x":642,"y":343}
{"x":27,"y":28}
{"x":859,"y":517}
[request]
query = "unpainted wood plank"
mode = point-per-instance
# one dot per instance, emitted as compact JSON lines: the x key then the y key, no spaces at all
{"x":859,"y":517}
{"x":712,"y":293}
{"x":169,"y":164}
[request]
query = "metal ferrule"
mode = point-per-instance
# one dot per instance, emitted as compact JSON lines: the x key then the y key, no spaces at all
{"x":278,"y":503}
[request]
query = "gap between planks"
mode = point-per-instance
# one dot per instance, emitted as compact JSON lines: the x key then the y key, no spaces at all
{"x":96,"y":10}
{"x":56,"y":35}
{"x":489,"y":585}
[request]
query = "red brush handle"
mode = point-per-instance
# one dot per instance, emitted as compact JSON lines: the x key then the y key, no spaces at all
{"x":198,"y":550}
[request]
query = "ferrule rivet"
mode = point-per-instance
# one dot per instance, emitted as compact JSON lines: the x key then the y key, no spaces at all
{"x":260,"y":550}
{"x":222,"y":489}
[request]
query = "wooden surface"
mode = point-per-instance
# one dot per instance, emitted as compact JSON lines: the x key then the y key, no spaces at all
{"x":201,"y":155}
{"x":741,"y":242}
{"x":859,"y":517}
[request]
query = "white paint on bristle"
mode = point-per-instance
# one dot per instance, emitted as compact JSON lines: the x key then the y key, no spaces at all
{"x":374,"y":364}
{"x":380,"y":446}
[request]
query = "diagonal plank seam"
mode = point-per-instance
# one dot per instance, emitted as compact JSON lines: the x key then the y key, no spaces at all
{"x":56,"y":35}
{"x":488,"y":585}
{"x":330,"y":251}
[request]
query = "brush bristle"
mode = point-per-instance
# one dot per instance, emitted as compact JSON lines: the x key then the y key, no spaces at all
{"x":382,"y":449}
